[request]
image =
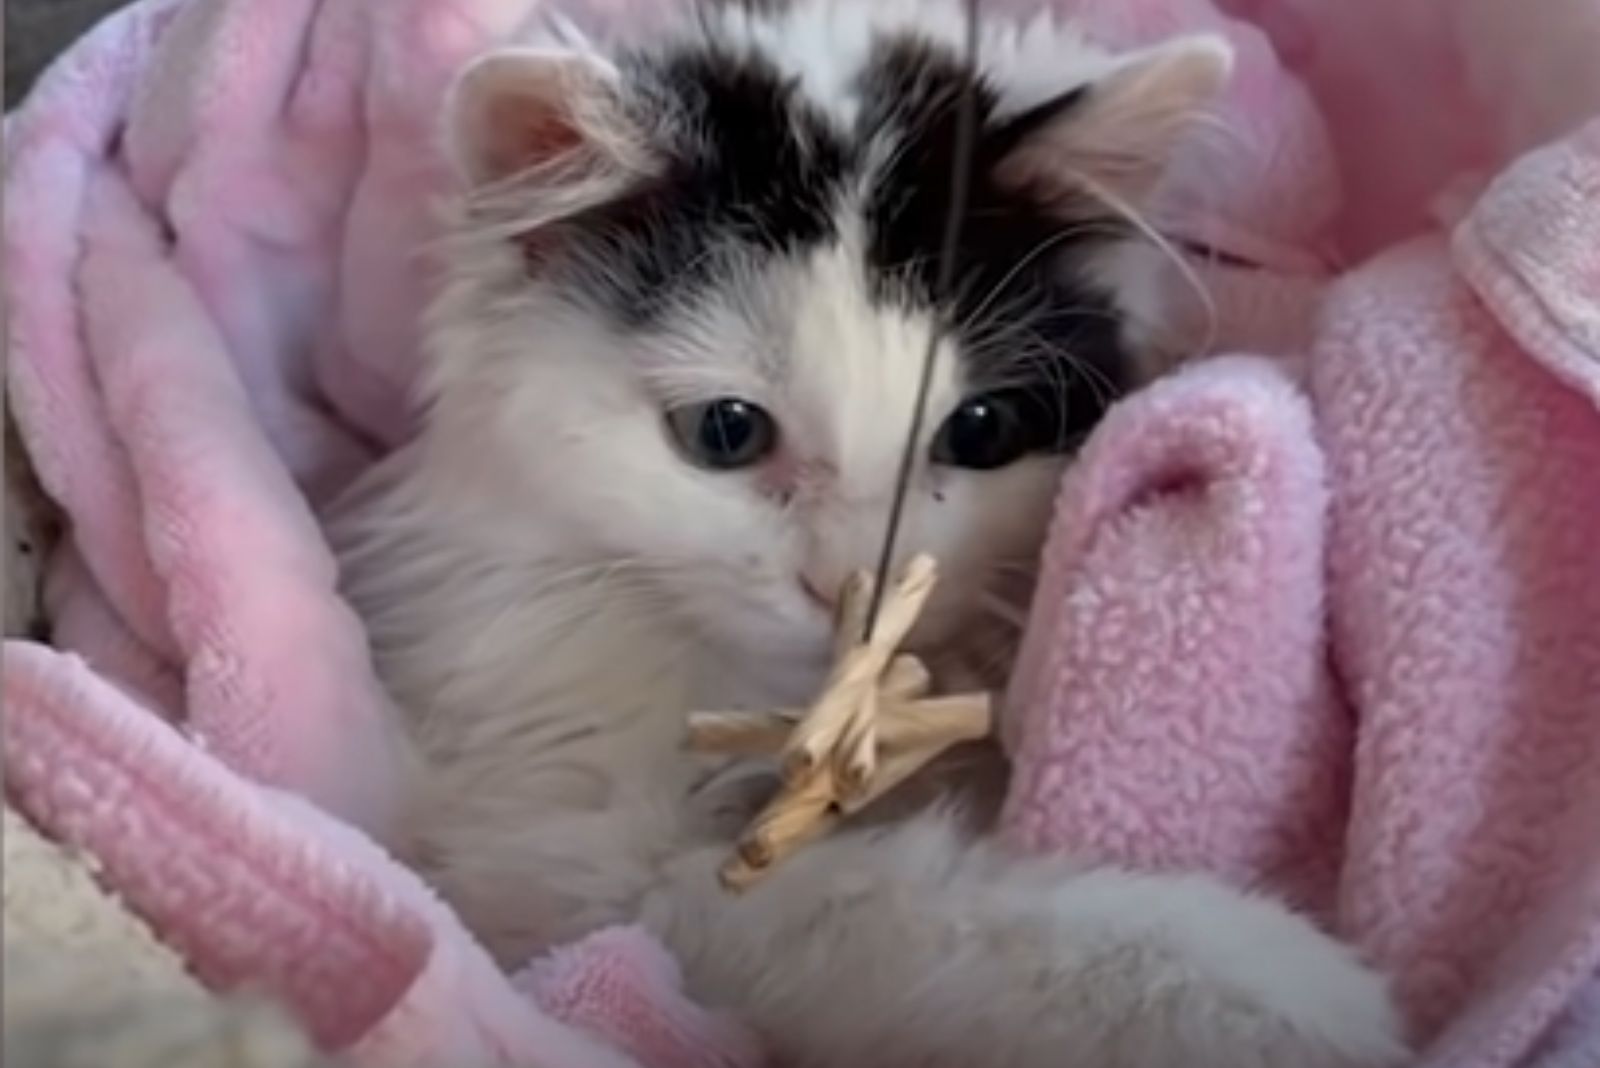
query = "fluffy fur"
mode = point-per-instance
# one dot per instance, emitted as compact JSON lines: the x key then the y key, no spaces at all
{"x":751,"y":208}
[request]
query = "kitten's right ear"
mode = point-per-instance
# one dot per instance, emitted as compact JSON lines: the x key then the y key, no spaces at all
{"x":553,"y":117}
{"x":1116,"y":134}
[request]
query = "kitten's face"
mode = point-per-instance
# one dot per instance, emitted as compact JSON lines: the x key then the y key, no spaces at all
{"x":696,"y":289}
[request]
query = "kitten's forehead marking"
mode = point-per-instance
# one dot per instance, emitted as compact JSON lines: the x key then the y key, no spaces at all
{"x":806,"y":337}
{"x":760,"y":169}
{"x":765,"y":178}
{"x":860,"y":362}
{"x":823,"y":45}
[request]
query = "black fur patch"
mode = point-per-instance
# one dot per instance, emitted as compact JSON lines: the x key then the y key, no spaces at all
{"x":1022,"y":316}
{"x":757,"y":171}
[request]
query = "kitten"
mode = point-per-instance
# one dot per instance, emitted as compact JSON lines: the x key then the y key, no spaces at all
{"x":671,"y":372}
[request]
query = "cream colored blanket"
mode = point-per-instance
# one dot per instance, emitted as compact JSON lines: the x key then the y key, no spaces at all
{"x":87,"y":986}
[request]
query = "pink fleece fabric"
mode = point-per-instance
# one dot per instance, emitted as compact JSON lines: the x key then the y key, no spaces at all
{"x":1320,"y":614}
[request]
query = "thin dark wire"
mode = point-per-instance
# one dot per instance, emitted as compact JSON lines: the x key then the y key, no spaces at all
{"x":960,"y":186}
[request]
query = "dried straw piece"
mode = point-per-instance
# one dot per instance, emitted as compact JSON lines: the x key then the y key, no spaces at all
{"x":872,"y":728}
{"x":857,"y":672}
{"x":749,"y":734}
{"x":778,"y":826}
{"x":901,"y":722}
{"x":905,"y":680}
{"x":935,"y":722}
{"x":972,"y":720}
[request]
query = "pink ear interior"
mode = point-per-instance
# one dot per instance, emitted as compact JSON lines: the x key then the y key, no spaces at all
{"x":520,"y":111}
{"x":1118,"y":140}
{"x":527,"y":132}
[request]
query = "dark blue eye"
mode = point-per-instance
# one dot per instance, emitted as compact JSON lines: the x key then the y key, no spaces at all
{"x":983,"y":433}
{"x":723,"y":434}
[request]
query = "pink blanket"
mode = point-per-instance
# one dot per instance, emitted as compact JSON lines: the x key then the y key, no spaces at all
{"x":1322,"y":615}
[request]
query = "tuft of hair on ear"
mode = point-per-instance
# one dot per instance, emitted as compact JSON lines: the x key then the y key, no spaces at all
{"x":543,"y":133}
{"x":1114,"y":136}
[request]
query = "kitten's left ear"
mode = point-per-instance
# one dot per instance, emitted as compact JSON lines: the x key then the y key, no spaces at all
{"x":1115,"y":135}
{"x":553,"y":117}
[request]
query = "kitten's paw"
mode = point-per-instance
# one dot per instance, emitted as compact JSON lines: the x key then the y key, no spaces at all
{"x":1234,"y":981}
{"x":913,"y":947}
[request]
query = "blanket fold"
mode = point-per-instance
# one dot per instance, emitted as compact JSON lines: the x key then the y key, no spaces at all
{"x":87,"y":982}
{"x":1183,"y":732}
{"x":1319,"y":613}
{"x":261,"y":891}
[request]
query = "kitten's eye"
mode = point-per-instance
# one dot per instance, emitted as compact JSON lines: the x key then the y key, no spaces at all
{"x":723,"y":434}
{"x":985,"y":432}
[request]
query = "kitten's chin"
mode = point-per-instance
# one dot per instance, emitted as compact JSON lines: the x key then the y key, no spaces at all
{"x":765,"y":666}
{"x":769,"y":660}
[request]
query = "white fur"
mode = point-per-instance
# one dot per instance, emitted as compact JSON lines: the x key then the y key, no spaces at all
{"x":823,"y":43}
{"x":550,"y":588}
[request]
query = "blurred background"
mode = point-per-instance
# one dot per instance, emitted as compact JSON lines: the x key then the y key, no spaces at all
{"x":35,"y":30}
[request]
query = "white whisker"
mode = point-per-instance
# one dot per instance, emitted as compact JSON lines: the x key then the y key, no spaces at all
{"x":1161,"y":243}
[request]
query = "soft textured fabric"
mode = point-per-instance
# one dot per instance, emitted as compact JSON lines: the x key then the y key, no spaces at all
{"x":260,"y":890}
{"x":1321,"y":614}
{"x":87,"y":983}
